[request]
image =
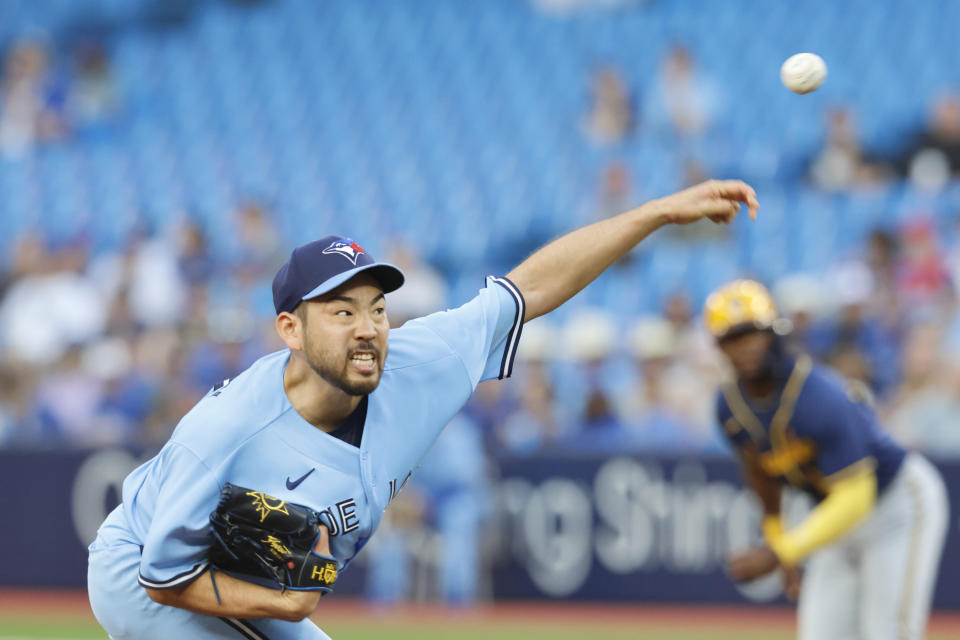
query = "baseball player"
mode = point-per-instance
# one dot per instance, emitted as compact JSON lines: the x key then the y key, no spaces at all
{"x":873,"y":541}
{"x":333,"y":422}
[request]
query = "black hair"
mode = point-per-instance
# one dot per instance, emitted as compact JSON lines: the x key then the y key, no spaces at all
{"x":301,"y":312}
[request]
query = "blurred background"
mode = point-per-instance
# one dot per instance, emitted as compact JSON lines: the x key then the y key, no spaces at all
{"x":160,"y":158}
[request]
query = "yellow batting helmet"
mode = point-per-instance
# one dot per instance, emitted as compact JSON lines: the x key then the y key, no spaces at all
{"x":737,"y":305}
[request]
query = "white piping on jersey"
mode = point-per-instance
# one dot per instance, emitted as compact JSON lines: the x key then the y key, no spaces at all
{"x":245,"y":628}
{"x":175,"y":581}
{"x":513,"y":338}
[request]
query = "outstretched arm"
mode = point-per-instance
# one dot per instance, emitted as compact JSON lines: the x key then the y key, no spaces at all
{"x":559,"y":270}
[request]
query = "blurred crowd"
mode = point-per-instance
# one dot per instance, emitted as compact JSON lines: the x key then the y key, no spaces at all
{"x":886,"y":318}
{"x":49,"y":93}
{"x":113,"y":345}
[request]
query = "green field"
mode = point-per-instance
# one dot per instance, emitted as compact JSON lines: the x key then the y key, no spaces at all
{"x":72,"y":621}
{"x":18,"y":628}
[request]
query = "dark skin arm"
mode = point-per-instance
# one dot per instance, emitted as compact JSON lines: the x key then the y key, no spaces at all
{"x":765,"y":487}
{"x":761,"y":560}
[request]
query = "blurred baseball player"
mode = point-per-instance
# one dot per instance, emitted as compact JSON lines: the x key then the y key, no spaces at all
{"x":875,"y":537}
{"x":333,"y":422}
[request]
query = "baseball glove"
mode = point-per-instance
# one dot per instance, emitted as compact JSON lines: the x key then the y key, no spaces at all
{"x":259,"y":536}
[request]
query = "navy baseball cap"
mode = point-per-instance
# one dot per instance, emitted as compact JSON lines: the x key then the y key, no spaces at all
{"x":323,"y":265}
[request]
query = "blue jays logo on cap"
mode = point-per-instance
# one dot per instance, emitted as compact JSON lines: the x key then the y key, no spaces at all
{"x":347,"y":248}
{"x":318,"y":267}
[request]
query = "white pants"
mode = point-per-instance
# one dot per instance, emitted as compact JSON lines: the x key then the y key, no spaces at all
{"x":876,"y":583}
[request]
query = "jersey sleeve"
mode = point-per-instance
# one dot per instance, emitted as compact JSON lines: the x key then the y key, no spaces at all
{"x":484,"y":332}
{"x":175,"y":548}
{"x":839,"y":426}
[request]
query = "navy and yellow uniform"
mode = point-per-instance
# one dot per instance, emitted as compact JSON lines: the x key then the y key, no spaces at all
{"x":814,"y":430}
{"x":873,"y":541}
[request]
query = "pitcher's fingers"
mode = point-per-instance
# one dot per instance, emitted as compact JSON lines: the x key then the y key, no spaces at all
{"x":735,"y":190}
{"x":322,"y":544}
{"x":752,"y":206}
{"x":740,"y":191}
{"x":721,"y":210}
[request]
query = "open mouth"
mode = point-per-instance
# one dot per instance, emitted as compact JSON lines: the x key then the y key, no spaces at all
{"x":364,"y":361}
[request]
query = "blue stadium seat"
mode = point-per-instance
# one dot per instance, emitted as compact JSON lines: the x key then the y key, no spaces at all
{"x":459,"y":124}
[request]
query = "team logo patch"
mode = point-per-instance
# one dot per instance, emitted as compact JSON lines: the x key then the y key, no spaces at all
{"x":263,"y":505}
{"x":787,"y":457}
{"x":349,"y":250}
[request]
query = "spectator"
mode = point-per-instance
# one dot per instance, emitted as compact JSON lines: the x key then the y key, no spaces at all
{"x":66,"y":404}
{"x":453,"y":480}
{"x":923,"y":281}
{"x":120,"y":321}
{"x":924,"y":409}
{"x":614,"y":193}
{"x":424,"y":290}
{"x":851,"y":363}
{"x":127,"y":397}
{"x":590,"y":383}
{"x":685,"y":102}
{"x":31,"y":101}
{"x":856,"y":333}
{"x":692,"y":344}
{"x":227,"y":308}
{"x":30,"y":257}
{"x":933,"y":154}
{"x":52,"y":306}
{"x":881,"y":259}
{"x":93,"y":96}
{"x":670,"y":406}
{"x":260,"y":247}
{"x":195,"y":262}
{"x":842,"y":163}
{"x":146,"y":273}
{"x":393,"y":552}
{"x":16,"y":384}
{"x":534,"y":423}
{"x":159,"y":359}
{"x":610,"y":117}
{"x":585,"y":345}
{"x":491,"y":405}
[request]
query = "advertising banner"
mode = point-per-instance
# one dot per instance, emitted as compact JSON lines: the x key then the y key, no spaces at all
{"x":652,"y":529}
{"x":625,"y":528}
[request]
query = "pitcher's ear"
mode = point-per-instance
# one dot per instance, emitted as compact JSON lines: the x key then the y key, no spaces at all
{"x":290,"y":329}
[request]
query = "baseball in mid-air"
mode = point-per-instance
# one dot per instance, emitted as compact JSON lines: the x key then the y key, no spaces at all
{"x":803,"y":72}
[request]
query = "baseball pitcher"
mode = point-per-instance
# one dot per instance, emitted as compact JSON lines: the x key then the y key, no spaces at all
{"x":277,"y":478}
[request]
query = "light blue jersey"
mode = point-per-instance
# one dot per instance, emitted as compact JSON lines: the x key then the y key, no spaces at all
{"x":246,"y":432}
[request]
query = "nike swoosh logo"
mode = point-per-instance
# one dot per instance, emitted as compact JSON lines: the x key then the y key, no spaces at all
{"x":296,"y":483}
